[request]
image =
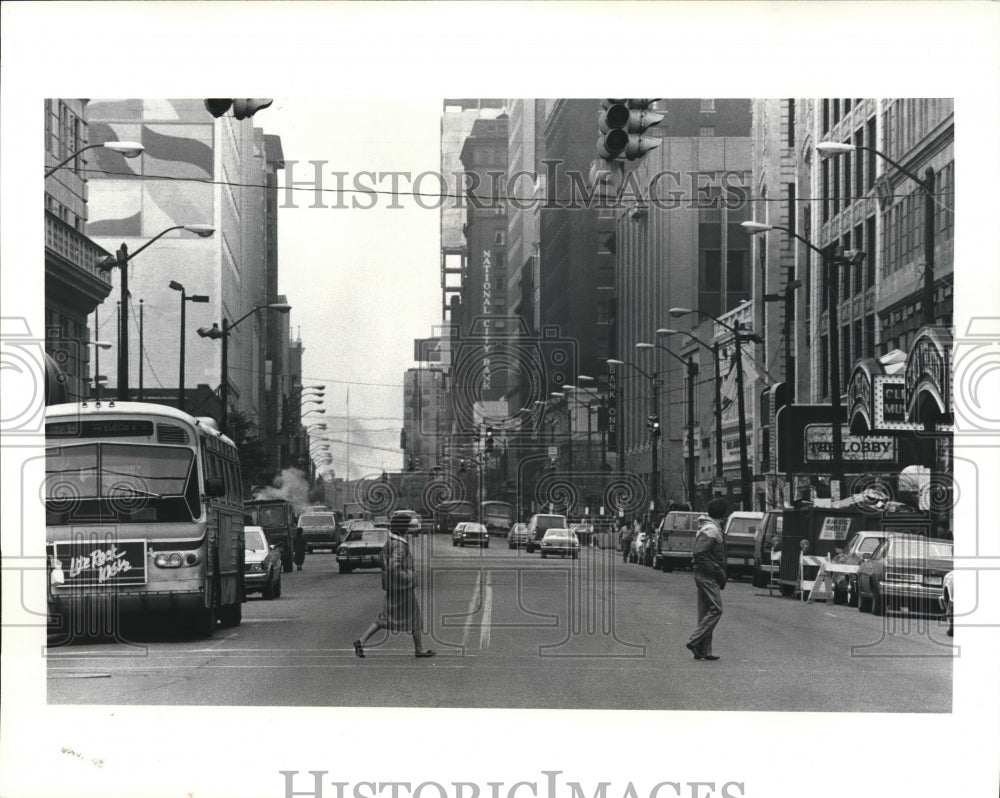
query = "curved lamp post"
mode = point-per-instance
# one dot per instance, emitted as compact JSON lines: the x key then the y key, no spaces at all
{"x":128,"y":149}
{"x":739,"y":337}
{"x":831,"y":267}
{"x":120,"y":262}
{"x":828,"y":149}
{"x":216,"y":332}
{"x":692,"y":372}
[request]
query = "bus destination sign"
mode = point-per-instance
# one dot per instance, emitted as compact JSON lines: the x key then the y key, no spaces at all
{"x":102,"y":428}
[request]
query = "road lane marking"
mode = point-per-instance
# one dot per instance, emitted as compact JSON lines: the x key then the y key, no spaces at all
{"x":484,"y":633}
{"x":471,"y":610}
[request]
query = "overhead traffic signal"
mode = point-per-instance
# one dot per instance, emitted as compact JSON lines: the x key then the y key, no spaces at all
{"x":409,"y":465}
{"x":489,"y":439}
{"x":622,"y":124}
{"x":242,"y":108}
{"x":653,"y":425}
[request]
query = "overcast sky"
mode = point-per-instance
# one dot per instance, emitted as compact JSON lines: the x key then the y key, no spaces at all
{"x":363,"y":279}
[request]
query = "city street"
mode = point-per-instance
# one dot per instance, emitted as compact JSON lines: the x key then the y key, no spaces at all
{"x":514,"y":630}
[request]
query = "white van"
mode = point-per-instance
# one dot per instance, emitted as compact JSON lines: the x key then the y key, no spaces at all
{"x":539,"y":524}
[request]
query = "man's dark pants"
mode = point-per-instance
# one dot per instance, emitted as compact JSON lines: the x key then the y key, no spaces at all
{"x":709,"y":613}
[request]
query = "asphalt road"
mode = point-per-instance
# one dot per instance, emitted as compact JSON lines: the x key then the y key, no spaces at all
{"x":515,"y":630}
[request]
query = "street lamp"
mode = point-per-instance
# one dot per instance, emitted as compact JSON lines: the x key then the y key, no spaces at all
{"x":831,"y":267}
{"x":828,"y":149}
{"x":788,"y":298}
{"x":692,"y":372}
{"x":98,"y":346}
{"x":738,"y":337}
{"x":128,"y":149}
{"x":184,"y":300}
{"x":215,"y":332}
{"x":654,"y":385}
{"x":714,"y":349}
{"x":121,"y":261}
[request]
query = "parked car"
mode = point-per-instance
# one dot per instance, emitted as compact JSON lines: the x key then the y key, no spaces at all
{"x":468,"y":532}
{"x":904,"y":570}
{"x":415,"y":522}
{"x":584,"y":533}
{"x":560,"y":541}
{"x":741,"y":529}
{"x":261,"y":564}
{"x":362,"y":548}
{"x":675,"y":540}
{"x":320,"y":531}
{"x":518,"y":536}
{"x":859,"y":548}
{"x":948,"y":601}
{"x":539,"y":524}
{"x":767,"y":539}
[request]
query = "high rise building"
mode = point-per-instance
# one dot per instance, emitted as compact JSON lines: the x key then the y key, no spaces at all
{"x":195,"y":170}
{"x":679,"y":244}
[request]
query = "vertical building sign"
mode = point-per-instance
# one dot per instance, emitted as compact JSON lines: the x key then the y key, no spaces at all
{"x":612,"y":410}
{"x":487,"y":311}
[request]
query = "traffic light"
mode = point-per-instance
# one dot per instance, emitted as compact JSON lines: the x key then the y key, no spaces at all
{"x":653,"y":424}
{"x":385,"y":477}
{"x":489,"y":439}
{"x":242,"y":109}
{"x":462,"y":466}
{"x":622,"y":124}
{"x":409,"y":465}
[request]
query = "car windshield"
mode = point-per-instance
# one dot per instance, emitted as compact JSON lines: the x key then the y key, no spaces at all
{"x":255,"y":540}
{"x":919,"y":549}
{"x":558,"y":532}
{"x":475,"y":528}
{"x":374,"y":536}
{"x":867,"y":545}
{"x":743,"y":526}
{"x":120,"y":481}
{"x":317,"y":520}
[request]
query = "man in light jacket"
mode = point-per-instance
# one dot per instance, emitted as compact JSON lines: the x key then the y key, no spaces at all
{"x":709,"y":577}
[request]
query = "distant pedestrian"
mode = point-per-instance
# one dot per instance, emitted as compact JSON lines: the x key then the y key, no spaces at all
{"x":401,"y":612}
{"x":709,"y":576}
{"x":299,"y":548}
{"x":625,"y":540}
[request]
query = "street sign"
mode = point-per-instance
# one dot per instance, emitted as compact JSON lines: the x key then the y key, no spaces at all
{"x":553,"y":452}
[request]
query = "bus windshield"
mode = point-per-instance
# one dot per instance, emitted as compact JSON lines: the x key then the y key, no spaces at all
{"x":120,"y":482}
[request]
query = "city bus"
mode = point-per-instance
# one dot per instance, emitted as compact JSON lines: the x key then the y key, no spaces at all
{"x":497,"y":516}
{"x":144,"y":513}
{"x":454,"y":512}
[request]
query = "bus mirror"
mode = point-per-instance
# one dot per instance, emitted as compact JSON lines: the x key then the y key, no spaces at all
{"x":215,"y":486}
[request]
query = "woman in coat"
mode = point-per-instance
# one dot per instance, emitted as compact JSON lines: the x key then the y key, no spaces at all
{"x":401,"y":612}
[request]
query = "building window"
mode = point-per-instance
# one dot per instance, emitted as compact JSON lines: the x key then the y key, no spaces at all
{"x":871,"y":153}
{"x":870,"y":261}
{"x":790,"y":134}
{"x":500,"y":237}
{"x":859,"y":162}
{"x":826,"y":116}
{"x":859,"y":244}
{"x":602,"y":311}
{"x":845,"y":354}
{"x":706,"y":130}
{"x":825,"y":178}
{"x":859,"y":349}
{"x":836,"y":186}
{"x":790,"y":192}
{"x":848,"y":194}
{"x":836,"y":111}
{"x":824,"y":366}
{"x":845,"y":273}
{"x":870,"y":335}
{"x":708,"y":106}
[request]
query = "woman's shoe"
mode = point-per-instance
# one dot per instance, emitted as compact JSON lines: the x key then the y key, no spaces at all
{"x":359,"y":649}
{"x":427,"y":653}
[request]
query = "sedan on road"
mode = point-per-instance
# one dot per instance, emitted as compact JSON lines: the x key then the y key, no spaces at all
{"x":469,"y":532}
{"x":560,"y":541}
{"x":518,"y":536}
{"x":261,"y":564}
{"x":584,"y":533}
{"x":362,"y":548}
{"x":904,"y":570}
